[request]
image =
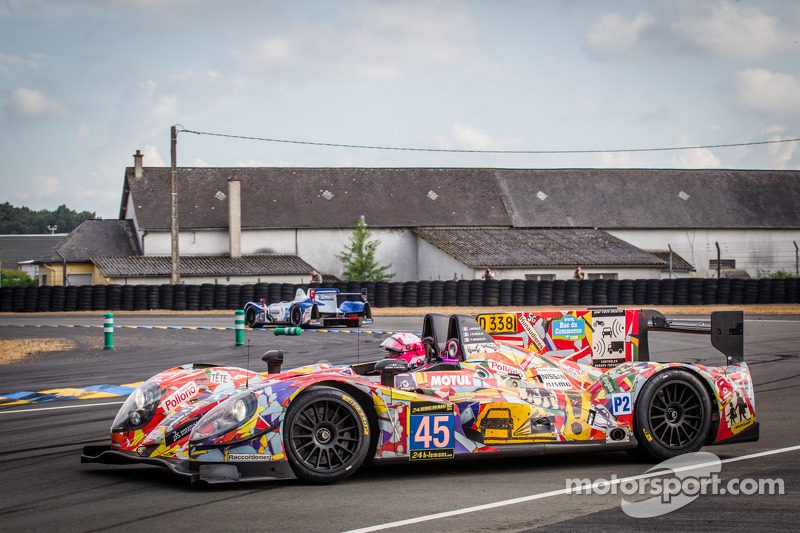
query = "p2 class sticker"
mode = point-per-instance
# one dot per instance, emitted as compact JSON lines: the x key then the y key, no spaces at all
{"x":431,"y":431}
{"x":621,"y":403}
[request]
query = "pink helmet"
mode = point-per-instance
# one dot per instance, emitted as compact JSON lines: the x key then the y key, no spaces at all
{"x":405,"y":346}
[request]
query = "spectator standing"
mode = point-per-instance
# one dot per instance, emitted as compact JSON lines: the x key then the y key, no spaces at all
{"x":488,"y":274}
{"x":578,"y":274}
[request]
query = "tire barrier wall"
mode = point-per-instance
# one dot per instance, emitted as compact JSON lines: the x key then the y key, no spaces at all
{"x":451,"y":293}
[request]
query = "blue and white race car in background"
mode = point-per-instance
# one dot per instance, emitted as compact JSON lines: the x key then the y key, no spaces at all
{"x":317,"y":307}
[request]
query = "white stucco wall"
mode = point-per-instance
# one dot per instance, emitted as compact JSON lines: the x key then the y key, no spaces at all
{"x":317,"y":247}
{"x":189,"y":242}
{"x":411,"y":258}
{"x":397,"y":248}
{"x":130,"y":214}
{"x":756,"y":251}
{"x":197,"y":280}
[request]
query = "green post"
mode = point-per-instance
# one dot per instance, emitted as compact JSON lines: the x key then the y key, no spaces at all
{"x":239,"y":329}
{"x":108,"y":331}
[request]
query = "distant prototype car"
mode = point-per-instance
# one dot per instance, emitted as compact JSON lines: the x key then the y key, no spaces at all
{"x":472,"y":396}
{"x":317,"y":307}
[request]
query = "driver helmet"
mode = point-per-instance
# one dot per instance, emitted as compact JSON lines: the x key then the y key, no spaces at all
{"x":405,"y":346}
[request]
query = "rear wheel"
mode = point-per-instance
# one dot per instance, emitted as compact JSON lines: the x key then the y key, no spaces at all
{"x":673,"y":415}
{"x":326,"y":435}
{"x":250,"y":317}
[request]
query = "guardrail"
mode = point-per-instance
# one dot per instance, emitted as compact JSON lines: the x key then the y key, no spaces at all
{"x":437,"y":293}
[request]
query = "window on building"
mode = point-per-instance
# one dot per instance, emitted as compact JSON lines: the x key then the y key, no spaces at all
{"x":540,"y":277}
{"x":723,"y":263}
{"x":603,"y":275}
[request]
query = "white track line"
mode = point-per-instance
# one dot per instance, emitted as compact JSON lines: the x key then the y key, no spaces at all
{"x":560,"y":492}
{"x":2,"y":412}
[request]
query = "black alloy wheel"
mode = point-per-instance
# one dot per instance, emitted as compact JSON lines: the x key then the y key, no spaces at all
{"x":296,"y":316}
{"x":326,"y":435}
{"x":250,"y":317}
{"x":672,"y":415}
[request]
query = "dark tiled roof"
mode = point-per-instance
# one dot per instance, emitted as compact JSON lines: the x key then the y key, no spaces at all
{"x":16,"y":248}
{"x":319,"y":198}
{"x":250,"y":265}
{"x":679,"y":264}
{"x":653,"y":199}
{"x":97,"y":237}
{"x":509,"y":248}
{"x":415,"y":197}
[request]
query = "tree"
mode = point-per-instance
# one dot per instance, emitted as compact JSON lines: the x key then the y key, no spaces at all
{"x":23,"y":220}
{"x":359,"y":257}
{"x":16,"y":278}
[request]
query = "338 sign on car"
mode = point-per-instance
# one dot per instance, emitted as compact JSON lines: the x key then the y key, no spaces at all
{"x":431,"y":431}
{"x":498,"y":322}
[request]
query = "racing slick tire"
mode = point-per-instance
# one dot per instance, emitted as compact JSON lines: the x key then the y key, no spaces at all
{"x":326,"y":435}
{"x":250,"y":316}
{"x":672,"y":416}
{"x":296,"y":316}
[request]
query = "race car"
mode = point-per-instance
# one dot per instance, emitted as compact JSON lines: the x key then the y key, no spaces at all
{"x":318,"y":307}
{"x":473,"y":396}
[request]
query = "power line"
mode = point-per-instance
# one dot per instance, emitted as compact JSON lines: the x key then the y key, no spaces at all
{"x":464,"y":151}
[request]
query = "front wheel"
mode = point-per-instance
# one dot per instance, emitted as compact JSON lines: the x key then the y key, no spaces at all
{"x":672,"y":416}
{"x":326,"y":435}
{"x":296,"y":316}
{"x":250,"y":317}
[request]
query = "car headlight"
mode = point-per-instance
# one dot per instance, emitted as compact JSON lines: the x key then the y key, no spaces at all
{"x":138,"y":408}
{"x":228,"y":415}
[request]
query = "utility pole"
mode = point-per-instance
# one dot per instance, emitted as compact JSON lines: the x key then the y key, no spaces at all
{"x":796,"y":260}
{"x":719,"y":256}
{"x":176,"y":258}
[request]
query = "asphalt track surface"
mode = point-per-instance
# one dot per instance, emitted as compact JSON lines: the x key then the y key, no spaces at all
{"x":44,"y":486}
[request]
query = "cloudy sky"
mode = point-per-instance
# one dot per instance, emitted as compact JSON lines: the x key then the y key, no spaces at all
{"x":84,"y":83}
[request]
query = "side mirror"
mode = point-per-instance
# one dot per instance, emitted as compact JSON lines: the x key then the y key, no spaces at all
{"x":389,"y":368}
{"x":274,"y":360}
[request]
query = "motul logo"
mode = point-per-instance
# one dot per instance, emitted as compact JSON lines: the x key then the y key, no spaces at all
{"x":451,"y":381}
{"x":179,"y":396}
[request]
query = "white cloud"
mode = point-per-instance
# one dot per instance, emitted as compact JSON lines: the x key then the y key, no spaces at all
{"x":199,"y":162}
{"x":9,"y":61}
{"x":381,"y":41}
{"x":730,"y":30}
{"x":781,"y":156}
{"x":614,"y":34}
{"x":152,"y":158}
{"x":166,"y":105}
{"x":696,"y":158}
{"x":45,"y":185}
{"x":466,"y":137}
{"x":31,"y":103}
{"x":617,"y":160}
{"x":83,"y":131}
{"x":766,"y":91}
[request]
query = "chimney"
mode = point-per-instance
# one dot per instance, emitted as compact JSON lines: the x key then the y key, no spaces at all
{"x":235,"y":216}
{"x":137,"y":164}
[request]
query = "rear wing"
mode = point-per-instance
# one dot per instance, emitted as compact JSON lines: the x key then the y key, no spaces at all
{"x":726,"y":329}
{"x":608,"y":336}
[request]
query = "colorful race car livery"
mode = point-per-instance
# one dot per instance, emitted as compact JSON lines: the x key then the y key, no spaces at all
{"x":472,"y":395}
{"x":318,"y":307}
